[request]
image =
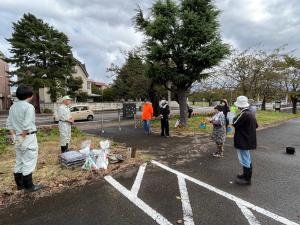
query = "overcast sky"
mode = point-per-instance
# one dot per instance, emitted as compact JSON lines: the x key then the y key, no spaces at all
{"x":99,"y":30}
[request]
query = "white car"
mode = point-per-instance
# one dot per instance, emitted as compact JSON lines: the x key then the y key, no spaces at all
{"x":78,"y":112}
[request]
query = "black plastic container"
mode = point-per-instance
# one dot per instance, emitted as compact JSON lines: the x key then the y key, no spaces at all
{"x":290,"y":150}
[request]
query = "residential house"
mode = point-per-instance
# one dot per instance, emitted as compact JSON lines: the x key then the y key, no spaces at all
{"x":5,"y":95}
{"x":79,"y":71}
{"x":99,"y":85}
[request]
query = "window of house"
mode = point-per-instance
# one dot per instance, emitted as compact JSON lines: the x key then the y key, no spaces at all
{"x":88,"y":85}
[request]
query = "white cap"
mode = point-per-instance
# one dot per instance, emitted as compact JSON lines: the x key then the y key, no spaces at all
{"x":242,"y":102}
{"x":163,"y":102}
{"x":67,"y":97}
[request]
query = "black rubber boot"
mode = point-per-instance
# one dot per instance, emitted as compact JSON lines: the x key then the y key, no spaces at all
{"x":29,"y":186}
{"x":19,"y":180}
{"x":67,"y":147}
{"x":242,"y":176}
{"x":246,"y":178}
{"x":63,"y":149}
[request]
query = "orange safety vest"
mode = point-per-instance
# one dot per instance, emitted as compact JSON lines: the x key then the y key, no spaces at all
{"x":147,"y":111}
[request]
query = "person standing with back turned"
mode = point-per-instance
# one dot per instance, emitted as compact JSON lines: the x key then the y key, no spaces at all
{"x":244,"y":138}
{"x":65,"y":123}
{"x":165,"y":112}
{"x":22,"y":129}
{"x":147,"y":115}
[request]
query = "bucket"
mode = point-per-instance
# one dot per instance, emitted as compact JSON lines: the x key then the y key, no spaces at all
{"x":202,"y":126}
{"x":290,"y":150}
{"x":229,"y":130}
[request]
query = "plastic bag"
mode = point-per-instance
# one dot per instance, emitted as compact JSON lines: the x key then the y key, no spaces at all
{"x":102,"y":159}
{"x":85,"y":147}
{"x":85,"y":151}
{"x":105,"y":144}
{"x":89,"y":164}
{"x":177,"y":123}
{"x":86,"y":144}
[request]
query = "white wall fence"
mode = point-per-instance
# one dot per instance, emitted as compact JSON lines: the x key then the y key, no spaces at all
{"x":98,"y":106}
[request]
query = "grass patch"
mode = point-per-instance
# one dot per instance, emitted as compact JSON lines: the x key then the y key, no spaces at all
{"x":264,"y":118}
{"x":44,"y":135}
{"x":269,"y":117}
{"x":3,"y":140}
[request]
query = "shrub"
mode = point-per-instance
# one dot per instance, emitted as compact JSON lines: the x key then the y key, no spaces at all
{"x":46,"y":110}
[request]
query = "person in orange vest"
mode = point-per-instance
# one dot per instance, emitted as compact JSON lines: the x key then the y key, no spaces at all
{"x":147,"y":116}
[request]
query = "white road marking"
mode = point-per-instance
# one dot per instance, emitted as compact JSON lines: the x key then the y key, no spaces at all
{"x":228,"y":196}
{"x":249,"y":215}
{"x":138,"y":202}
{"x":138,"y":180}
{"x":186,"y":205}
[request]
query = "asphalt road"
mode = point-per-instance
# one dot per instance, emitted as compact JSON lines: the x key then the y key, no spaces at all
{"x":48,"y":119}
{"x":108,"y":116}
{"x":275,"y":186}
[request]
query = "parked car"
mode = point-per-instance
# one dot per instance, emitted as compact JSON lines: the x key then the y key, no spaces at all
{"x":78,"y":112}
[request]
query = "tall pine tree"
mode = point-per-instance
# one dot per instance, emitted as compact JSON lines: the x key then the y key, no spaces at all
{"x":181,"y":40}
{"x":41,"y":55}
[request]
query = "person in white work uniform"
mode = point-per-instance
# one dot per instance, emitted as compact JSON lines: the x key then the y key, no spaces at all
{"x":65,"y":123}
{"x":21,"y":125}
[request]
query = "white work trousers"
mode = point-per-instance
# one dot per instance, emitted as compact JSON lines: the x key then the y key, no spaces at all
{"x":26,"y":154}
{"x":64,"y":132}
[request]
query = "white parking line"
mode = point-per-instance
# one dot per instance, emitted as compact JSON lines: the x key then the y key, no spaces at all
{"x":138,"y":180}
{"x":248,"y":215}
{"x":228,"y":196}
{"x":185,"y":201}
{"x":138,"y":202}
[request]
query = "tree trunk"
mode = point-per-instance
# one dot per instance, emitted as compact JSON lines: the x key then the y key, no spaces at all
{"x":182,"y":107}
{"x":263,"y":104}
{"x":36,"y":102}
{"x":294,"y":102}
{"x":154,"y":100}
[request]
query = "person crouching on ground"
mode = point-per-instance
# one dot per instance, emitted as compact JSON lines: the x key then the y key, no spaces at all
{"x":147,"y":115}
{"x":22,"y":129}
{"x":164,"y":114}
{"x":65,"y":123}
{"x":244,"y":138}
{"x":219,"y":130}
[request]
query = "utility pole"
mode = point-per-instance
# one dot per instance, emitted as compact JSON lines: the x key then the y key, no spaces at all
{"x":102,"y":128}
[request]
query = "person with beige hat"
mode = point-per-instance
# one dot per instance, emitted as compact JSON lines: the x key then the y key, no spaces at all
{"x":65,"y":123}
{"x":244,"y":138}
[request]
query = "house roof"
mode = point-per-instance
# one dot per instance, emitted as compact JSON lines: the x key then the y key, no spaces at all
{"x":82,"y":66}
{"x":98,"y":83}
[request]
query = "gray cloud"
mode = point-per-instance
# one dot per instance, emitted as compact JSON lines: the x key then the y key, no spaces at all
{"x":269,"y":24}
{"x":100,"y":29}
